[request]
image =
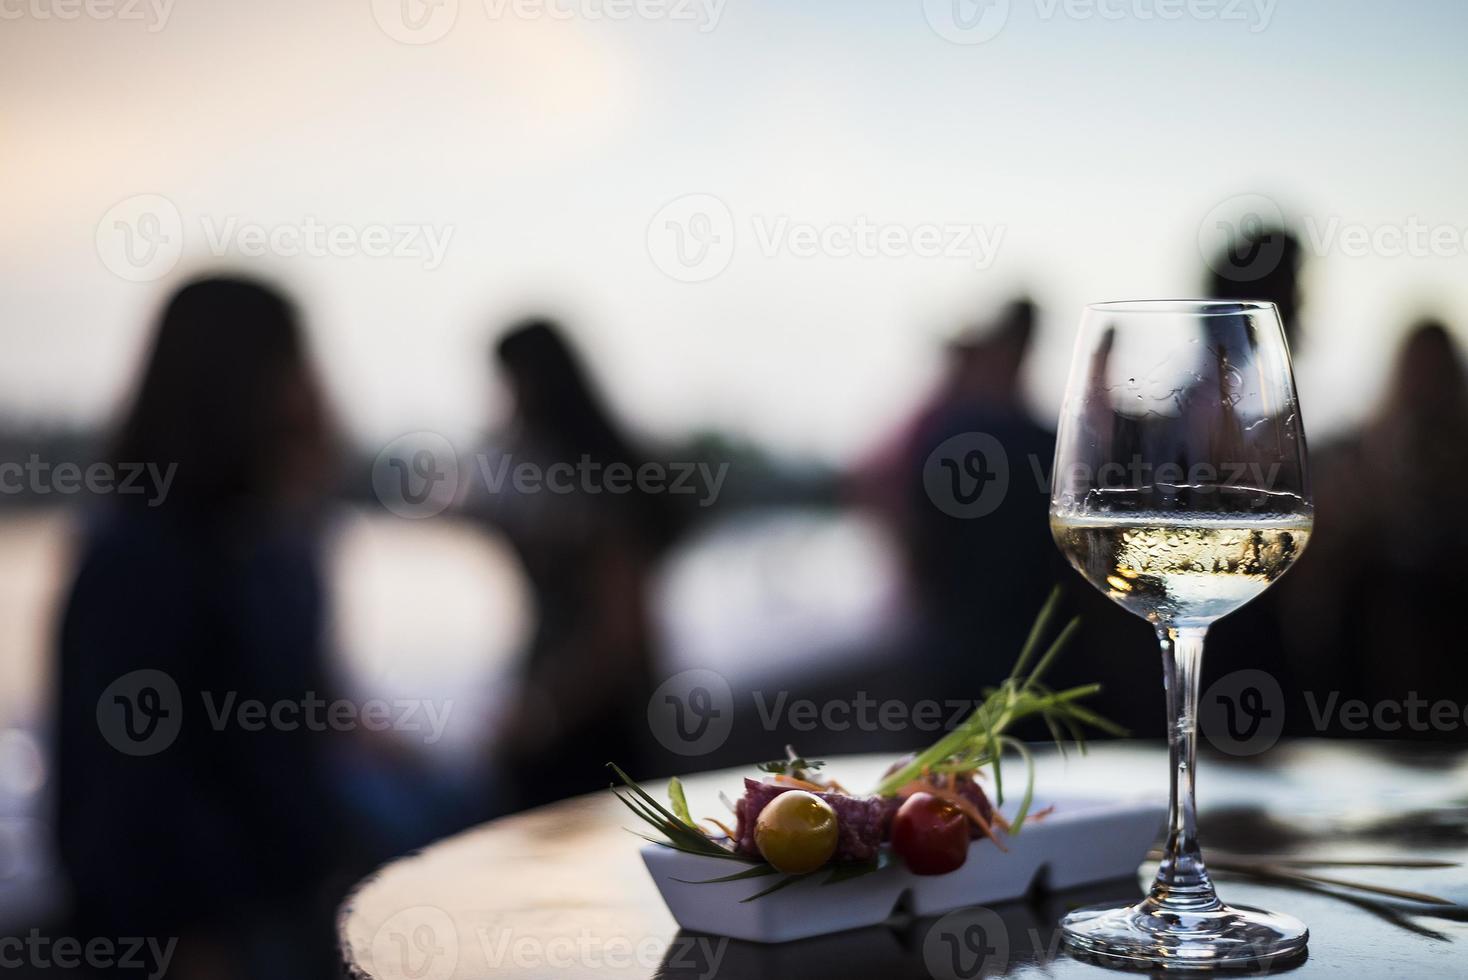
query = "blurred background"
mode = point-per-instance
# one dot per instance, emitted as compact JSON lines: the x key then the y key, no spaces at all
{"x":785,"y":254}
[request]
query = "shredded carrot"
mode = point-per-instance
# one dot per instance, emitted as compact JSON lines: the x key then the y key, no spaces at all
{"x":785,"y":780}
{"x":721,"y":825}
{"x":963,"y":803}
{"x":989,"y":833}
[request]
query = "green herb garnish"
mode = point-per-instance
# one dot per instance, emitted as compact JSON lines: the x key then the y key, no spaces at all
{"x":980,"y":739}
{"x":680,"y":834}
{"x":793,"y":767}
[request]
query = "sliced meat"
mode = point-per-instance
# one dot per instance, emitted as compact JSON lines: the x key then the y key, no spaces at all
{"x":862,"y":822}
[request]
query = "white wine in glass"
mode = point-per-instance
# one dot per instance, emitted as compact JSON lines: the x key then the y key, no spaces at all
{"x":1181,"y":491}
{"x":1183,"y":572}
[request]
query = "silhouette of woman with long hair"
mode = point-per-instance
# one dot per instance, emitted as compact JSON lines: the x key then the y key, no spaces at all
{"x":1376,"y":610}
{"x":588,"y":541}
{"x":176,"y":815}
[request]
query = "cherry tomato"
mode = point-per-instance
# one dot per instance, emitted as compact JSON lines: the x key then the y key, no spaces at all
{"x":930,"y":834}
{"x":796,"y":832}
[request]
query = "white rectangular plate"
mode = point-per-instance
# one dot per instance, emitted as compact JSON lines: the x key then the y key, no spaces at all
{"x":1080,"y":842}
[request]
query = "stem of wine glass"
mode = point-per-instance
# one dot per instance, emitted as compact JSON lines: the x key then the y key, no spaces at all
{"x":1182,"y":883}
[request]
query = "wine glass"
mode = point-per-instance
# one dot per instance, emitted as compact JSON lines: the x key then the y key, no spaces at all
{"x":1181,"y":492}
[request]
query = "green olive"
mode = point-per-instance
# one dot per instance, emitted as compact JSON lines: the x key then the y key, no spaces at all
{"x":796,"y":832}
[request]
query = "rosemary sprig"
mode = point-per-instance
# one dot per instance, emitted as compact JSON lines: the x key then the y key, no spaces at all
{"x":680,"y":834}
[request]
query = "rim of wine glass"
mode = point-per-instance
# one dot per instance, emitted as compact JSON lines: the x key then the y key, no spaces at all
{"x":1185,"y":307}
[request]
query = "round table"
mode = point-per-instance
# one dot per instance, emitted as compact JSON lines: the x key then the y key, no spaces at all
{"x":561,"y":892}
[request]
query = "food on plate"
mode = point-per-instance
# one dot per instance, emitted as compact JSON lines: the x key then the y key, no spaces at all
{"x":931,"y":834}
{"x":859,"y":823}
{"x":926,"y":810}
{"x":796,"y":832}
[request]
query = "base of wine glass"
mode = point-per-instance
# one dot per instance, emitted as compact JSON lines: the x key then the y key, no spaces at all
{"x":1149,"y":935}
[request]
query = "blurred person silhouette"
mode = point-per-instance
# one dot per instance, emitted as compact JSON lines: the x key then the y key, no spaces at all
{"x":1374,"y":616}
{"x":220,"y":835}
{"x":975,"y":367}
{"x":588,"y":541}
{"x":975,"y":528}
{"x":1262,"y":262}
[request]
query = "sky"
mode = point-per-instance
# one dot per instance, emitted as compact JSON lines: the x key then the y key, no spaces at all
{"x":754,"y":215}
